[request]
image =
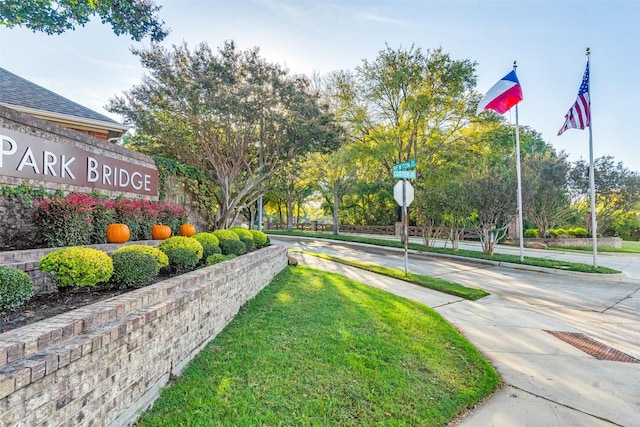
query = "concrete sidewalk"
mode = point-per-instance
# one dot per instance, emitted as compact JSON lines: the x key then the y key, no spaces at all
{"x":547,"y":382}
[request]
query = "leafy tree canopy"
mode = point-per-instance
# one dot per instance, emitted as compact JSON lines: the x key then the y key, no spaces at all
{"x":138,"y":18}
{"x":221,"y":112}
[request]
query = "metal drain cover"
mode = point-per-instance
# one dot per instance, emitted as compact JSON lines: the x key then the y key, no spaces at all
{"x":592,"y":347}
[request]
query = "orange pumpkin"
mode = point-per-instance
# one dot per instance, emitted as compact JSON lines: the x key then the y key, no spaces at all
{"x":187,"y":230}
{"x":160,"y":232}
{"x":118,"y":233}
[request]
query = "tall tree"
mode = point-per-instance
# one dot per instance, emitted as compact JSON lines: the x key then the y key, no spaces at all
{"x":138,"y":18}
{"x":545,"y":190}
{"x":617,"y":190}
{"x":416,"y":102}
{"x":221,"y":113}
{"x":491,"y":193}
{"x":336,"y":175}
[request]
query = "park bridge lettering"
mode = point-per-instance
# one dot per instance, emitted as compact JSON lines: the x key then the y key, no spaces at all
{"x":30,"y":157}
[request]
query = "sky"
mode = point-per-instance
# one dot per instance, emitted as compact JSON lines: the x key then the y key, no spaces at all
{"x":547,"y":38}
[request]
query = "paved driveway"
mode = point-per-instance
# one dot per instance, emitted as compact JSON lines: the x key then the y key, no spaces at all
{"x":548,"y":382}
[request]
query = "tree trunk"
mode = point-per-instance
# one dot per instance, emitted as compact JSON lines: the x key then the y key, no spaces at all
{"x":336,"y":204}
{"x":289,"y":213}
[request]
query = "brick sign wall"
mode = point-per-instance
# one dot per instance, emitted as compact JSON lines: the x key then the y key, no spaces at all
{"x":44,"y":155}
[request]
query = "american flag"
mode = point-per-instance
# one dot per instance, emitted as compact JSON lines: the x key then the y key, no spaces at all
{"x":579,"y":115}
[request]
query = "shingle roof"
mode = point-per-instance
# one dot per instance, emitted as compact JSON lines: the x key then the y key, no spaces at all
{"x":17,"y":91}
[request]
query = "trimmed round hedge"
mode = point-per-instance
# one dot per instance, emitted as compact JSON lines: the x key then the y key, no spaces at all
{"x":259,"y":238}
{"x":132,"y":269}
{"x":226,"y":235}
{"x":77,"y":266}
{"x":232,"y":247}
{"x":248,"y":243}
{"x":242,"y":232}
{"x":181,"y":242}
{"x":181,"y":260}
{"x":210,"y":249}
{"x":159,"y":256}
{"x":16,"y":288}
{"x":217,"y":258}
{"x":206,"y":238}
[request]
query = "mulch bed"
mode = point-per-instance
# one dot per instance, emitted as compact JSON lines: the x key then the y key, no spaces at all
{"x":44,"y":306}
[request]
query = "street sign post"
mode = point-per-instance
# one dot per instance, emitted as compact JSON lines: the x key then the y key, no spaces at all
{"x":404,"y":174}
{"x":403,"y":193}
{"x":403,"y":166}
{"x":409,"y":192}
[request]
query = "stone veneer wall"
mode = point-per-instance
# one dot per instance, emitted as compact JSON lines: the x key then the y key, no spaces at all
{"x":17,"y":230}
{"x":105,"y":363}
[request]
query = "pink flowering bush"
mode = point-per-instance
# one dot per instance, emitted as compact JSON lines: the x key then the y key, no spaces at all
{"x":81,"y":219}
{"x":65,"y":221}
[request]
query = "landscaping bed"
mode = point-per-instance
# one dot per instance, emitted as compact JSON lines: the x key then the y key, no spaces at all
{"x":45,"y":306}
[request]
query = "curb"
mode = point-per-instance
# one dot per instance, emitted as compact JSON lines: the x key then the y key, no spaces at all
{"x":503,"y":264}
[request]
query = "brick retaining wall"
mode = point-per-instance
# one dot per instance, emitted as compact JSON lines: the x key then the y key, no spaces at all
{"x":27,"y":260}
{"x":105,"y":363}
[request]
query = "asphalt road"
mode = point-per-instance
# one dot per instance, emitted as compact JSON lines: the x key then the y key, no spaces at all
{"x":548,"y":382}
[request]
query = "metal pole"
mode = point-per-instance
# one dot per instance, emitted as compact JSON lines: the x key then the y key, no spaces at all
{"x":260,"y":171}
{"x":260,"y":193}
{"x":519,"y":177}
{"x":592,"y":185}
{"x":405,"y":227}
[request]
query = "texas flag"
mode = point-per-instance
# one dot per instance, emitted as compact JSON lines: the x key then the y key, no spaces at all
{"x":503,"y":95}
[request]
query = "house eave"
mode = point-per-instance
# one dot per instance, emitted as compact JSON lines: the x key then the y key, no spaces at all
{"x":71,"y":121}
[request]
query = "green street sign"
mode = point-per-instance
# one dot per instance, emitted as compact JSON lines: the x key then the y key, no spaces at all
{"x":409,"y":164}
{"x":404,"y":174}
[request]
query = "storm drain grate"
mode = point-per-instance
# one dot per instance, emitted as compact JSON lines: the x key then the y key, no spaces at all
{"x":592,"y":347}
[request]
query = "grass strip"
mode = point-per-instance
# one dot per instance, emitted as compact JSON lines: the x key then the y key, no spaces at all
{"x":417,"y":279}
{"x":514,"y":259}
{"x":318,"y":349}
{"x":627,"y":247}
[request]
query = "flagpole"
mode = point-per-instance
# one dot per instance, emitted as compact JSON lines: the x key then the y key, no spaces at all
{"x":519,"y":177}
{"x":592,"y":185}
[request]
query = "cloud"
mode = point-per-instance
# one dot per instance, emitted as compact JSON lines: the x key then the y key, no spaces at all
{"x":369,"y":16}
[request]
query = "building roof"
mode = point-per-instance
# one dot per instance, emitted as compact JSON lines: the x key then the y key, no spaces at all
{"x":23,"y":95}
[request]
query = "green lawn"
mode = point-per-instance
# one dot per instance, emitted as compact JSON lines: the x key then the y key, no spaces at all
{"x":417,"y":279}
{"x":318,"y":349}
{"x":631,"y":246}
{"x":515,"y":259}
{"x":627,"y":247}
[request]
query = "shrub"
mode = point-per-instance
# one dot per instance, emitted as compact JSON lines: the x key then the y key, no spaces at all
{"x":181,"y":260}
{"x":103,"y":214}
{"x":578,"y":232}
{"x":80,"y":219}
{"x":210,"y":249}
{"x":159,"y":256}
{"x":181,"y":242}
{"x":65,"y":221}
{"x":248,"y":243}
{"x":259,"y":238}
{"x":217,"y":258}
{"x":232,"y":247}
{"x":133,"y":269}
{"x":172,"y":215}
{"x":226,"y":235}
{"x":16,"y":287}
{"x":557,"y":232}
{"x":242,"y":232}
{"x":205,"y":238}
{"x":77,"y":266}
{"x":531,"y":233}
